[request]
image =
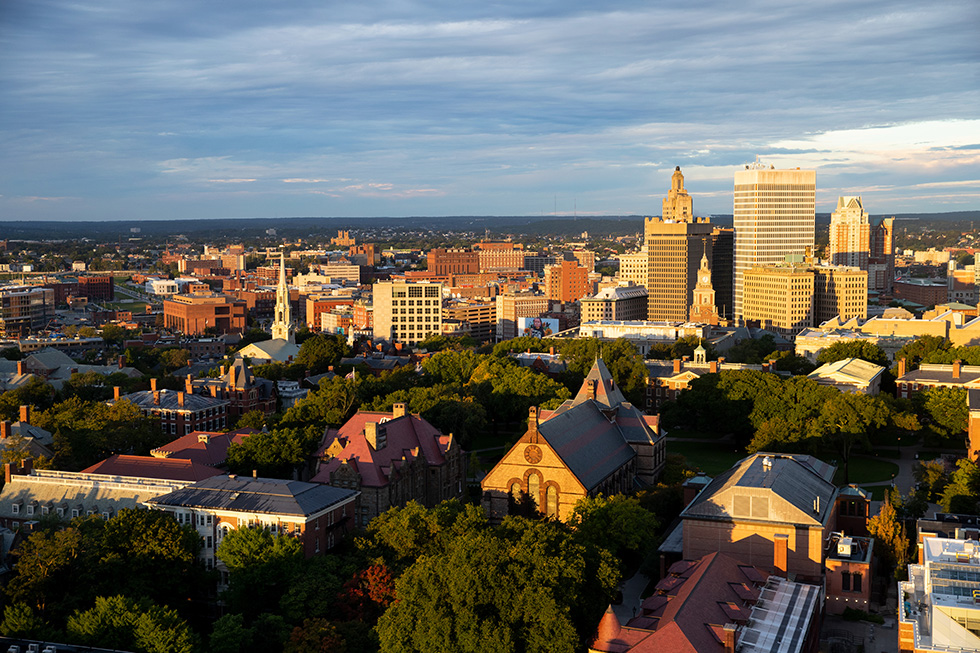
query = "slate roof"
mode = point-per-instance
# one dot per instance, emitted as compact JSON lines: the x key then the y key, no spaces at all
{"x":589,"y":444}
{"x":176,"y":469}
{"x":929,"y":373}
{"x":257,"y":495}
{"x":852,"y":371}
{"x":792,"y":485}
{"x":169,"y":400}
{"x":607,"y":392}
{"x":407,"y":437}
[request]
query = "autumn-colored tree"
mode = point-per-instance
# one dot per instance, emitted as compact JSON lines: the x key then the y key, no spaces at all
{"x":368,"y":594}
{"x":891,"y":541}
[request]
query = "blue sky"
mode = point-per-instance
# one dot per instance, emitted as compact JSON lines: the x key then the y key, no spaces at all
{"x":116,"y":109}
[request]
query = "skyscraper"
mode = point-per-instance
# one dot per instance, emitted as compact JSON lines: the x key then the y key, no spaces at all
{"x":774,"y":217}
{"x":675,"y":248}
{"x":678,"y":205}
{"x":850,"y":234}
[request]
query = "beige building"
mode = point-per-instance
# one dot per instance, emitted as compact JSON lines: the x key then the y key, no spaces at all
{"x":634,"y":268}
{"x":678,"y":205}
{"x":674,"y":250}
{"x":791,"y":298}
{"x":850,"y":375}
{"x":407,"y":311}
{"x":616,"y":303}
{"x":500,"y":257}
{"x":476,"y":318}
{"x":774,"y":217}
{"x":850,"y":233}
{"x":513,"y":306}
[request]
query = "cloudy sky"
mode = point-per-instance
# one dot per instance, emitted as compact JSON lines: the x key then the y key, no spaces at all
{"x":171,"y":109}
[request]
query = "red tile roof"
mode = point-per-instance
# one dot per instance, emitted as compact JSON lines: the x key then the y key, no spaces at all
{"x":171,"y":469}
{"x":203,"y":447}
{"x":407,"y":437}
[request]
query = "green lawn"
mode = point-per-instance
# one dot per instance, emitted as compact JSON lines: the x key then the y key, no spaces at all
{"x":895,"y":438}
{"x":866,"y":470}
{"x":712,"y":459}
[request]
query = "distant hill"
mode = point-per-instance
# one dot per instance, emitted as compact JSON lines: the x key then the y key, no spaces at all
{"x":306,"y":227}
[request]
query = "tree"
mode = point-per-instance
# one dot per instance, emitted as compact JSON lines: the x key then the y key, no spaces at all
{"x":914,"y":352}
{"x":276,"y":454}
{"x":963,"y":492}
{"x":945,"y":407}
{"x":368,"y":594}
{"x":316,"y":636}
{"x":125,"y":623}
{"x":35,"y":393}
{"x":932,"y":478}
{"x":253,"y":419}
{"x":892,"y":543}
{"x":618,"y":524}
{"x":54,"y":573}
{"x":867,"y":351}
{"x":260,"y":565}
{"x":174,"y":358}
{"x":19,"y":620}
{"x":320,"y":351}
{"x":847,"y":421}
{"x":315,"y":587}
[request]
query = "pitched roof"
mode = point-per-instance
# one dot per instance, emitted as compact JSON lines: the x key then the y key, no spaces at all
{"x":203,"y":447}
{"x":277,"y":350}
{"x":853,"y":371}
{"x":606,"y":390}
{"x":406,"y":438}
{"x":793,"y":489}
{"x":257,"y":495}
{"x":170,"y":400}
{"x":177,"y":469}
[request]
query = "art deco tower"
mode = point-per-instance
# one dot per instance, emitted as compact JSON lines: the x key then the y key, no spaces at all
{"x":774,"y":218}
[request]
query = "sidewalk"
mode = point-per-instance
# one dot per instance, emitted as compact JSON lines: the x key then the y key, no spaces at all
{"x":632,"y":588}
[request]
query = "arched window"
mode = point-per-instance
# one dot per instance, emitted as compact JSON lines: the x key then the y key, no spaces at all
{"x":552,"y":501}
{"x":534,"y":488}
{"x":515,"y":491}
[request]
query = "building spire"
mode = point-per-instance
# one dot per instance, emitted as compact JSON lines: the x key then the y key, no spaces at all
{"x":282,"y":327}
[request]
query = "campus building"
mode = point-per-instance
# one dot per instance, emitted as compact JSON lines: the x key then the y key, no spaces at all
{"x":407,"y":312}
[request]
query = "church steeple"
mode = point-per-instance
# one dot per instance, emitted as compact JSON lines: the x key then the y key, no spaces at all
{"x":703,"y":307}
{"x":282,"y":326}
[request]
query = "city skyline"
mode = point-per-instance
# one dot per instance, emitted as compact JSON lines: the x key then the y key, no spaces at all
{"x":115,"y":111}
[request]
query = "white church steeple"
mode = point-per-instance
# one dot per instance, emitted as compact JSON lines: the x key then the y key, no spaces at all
{"x":282,"y":327}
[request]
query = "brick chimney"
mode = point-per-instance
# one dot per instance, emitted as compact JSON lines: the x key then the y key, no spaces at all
{"x":956,"y":368}
{"x":153,"y":385}
{"x":25,"y":415}
{"x":180,"y":399}
{"x":189,"y":384}
{"x":713,"y":367}
{"x":156,"y":397}
{"x":780,"y":549}
{"x":116,"y":392}
{"x":721,"y":359}
{"x":398,"y":410}
{"x":901,"y":368}
{"x":122,"y":362}
{"x":678,"y":364}
{"x":5,"y":429}
{"x":20,"y":367}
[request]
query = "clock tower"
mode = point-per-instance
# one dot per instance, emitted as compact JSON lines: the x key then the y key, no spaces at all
{"x":703,"y":307}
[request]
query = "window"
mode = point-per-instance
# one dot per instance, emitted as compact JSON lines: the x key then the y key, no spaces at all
{"x":15,"y":508}
{"x":74,"y":512}
{"x":845,"y":582}
{"x":856,"y":582}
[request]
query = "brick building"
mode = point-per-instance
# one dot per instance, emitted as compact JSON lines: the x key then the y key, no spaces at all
{"x":100,"y":288}
{"x":566,"y":282}
{"x":179,"y":412}
{"x":442,"y":261}
{"x":391,"y":459}
{"x":193,"y":314}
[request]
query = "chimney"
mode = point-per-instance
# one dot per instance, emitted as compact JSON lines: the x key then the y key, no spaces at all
{"x":956,"y":368}
{"x":156,"y":397}
{"x":721,"y":360}
{"x":4,"y":429}
{"x":532,"y":424}
{"x":25,"y":415}
{"x":153,"y":385}
{"x":685,"y":358}
{"x":901,"y":368}
{"x":713,"y":367}
{"x":255,"y":473}
{"x":375,"y":436}
{"x":214,"y":390}
{"x":729,"y":631}
{"x":20,"y":367}
{"x":189,"y":384}
{"x":180,"y":399}
{"x":677,"y":365}
{"x":116,"y":392}
{"x":551,"y":351}
{"x":780,"y":546}
{"x":398,"y":410}
{"x":122,"y":362}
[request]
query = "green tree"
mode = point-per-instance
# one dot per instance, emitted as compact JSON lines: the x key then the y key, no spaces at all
{"x":931,"y":476}
{"x":19,"y":620}
{"x":847,"y":420}
{"x":963,"y":492}
{"x":914,"y":352}
{"x":320,"y":351}
{"x":260,"y":566}
{"x":35,"y":393}
{"x":275,"y":454}
{"x":54,"y":573}
{"x":174,"y":359}
{"x":316,"y":635}
{"x":867,"y":351}
{"x":125,"y":623}
{"x":944,"y":407}
{"x":618,"y":524}
{"x":253,"y":419}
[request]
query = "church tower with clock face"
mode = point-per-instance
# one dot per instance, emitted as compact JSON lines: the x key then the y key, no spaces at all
{"x":703,"y":308}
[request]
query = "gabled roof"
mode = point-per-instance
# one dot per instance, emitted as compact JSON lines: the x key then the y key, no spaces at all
{"x":406,"y":438}
{"x":606,"y":390}
{"x":239,"y":375}
{"x":257,"y":495}
{"x":277,"y":350}
{"x":177,"y":469}
{"x":853,"y":371}
{"x":794,"y":489}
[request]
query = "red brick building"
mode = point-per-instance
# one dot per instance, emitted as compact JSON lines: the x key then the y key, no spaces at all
{"x":453,"y":261}
{"x":179,"y":412}
{"x":567,"y":281}
{"x":193,"y":314}
{"x":100,"y":289}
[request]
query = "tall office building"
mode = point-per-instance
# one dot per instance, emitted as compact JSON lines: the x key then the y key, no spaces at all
{"x":675,"y":249}
{"x":678,"y":205}
{"x":850,"y":234}
{"x":567,"y":281}
{"x":722,"y":253}
{"x":881,"y":261}
{"x":774,"y":217}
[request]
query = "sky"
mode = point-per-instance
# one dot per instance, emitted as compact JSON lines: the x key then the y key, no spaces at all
{"x":172,"y":109}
